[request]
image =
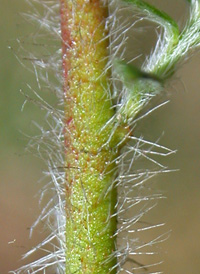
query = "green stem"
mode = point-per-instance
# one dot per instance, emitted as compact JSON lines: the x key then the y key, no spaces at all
{"x":90,"y":146}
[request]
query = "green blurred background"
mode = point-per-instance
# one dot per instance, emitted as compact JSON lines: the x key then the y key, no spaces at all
{"x":21,"y":171}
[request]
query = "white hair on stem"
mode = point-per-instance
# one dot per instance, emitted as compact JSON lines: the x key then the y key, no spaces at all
{"x":135,"y":196}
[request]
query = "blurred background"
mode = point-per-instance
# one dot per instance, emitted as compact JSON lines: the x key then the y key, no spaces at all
{"x":20,"y":172}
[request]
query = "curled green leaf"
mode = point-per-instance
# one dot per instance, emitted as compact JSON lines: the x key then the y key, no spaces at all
{"x":140,"y":88}
{"x":130,"y":73}
{"x":157,"y":16}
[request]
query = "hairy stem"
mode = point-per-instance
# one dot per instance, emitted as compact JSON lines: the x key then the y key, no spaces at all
{"x":90,"y":169}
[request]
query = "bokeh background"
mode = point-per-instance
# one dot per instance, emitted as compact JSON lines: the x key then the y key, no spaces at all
{"x":20,"y":172}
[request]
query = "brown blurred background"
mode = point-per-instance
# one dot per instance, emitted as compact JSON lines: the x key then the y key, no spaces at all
{"x":20,"y":171}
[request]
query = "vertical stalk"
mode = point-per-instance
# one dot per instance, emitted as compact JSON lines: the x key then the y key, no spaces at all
{"x":90,"y":169}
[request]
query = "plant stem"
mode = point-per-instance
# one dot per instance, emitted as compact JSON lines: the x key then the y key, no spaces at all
{"x":90,"y":169}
